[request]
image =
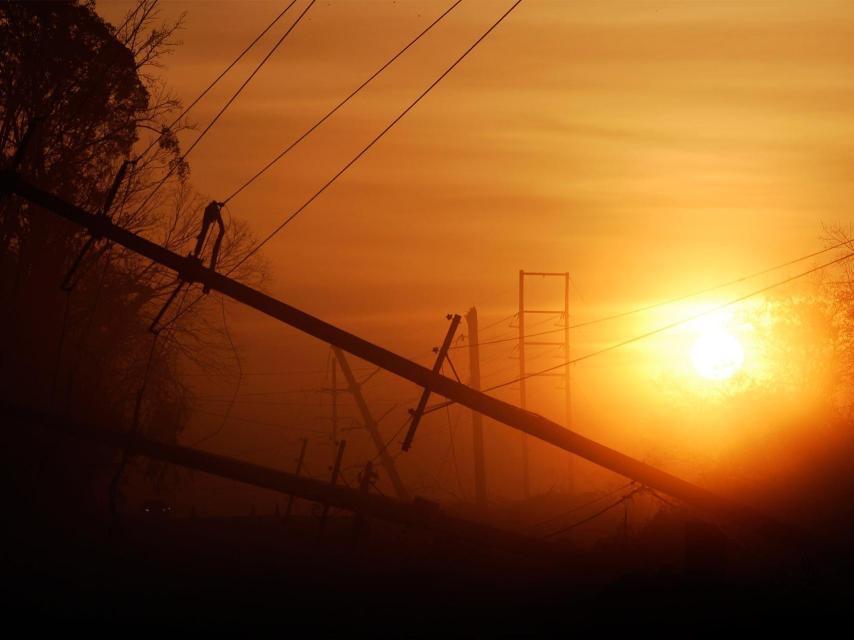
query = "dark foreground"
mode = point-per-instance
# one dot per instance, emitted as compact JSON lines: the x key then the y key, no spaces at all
{"x":67,"y":563}
{"x":254,"y":573}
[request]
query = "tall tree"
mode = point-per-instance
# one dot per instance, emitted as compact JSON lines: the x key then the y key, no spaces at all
{"x":91,"y":97}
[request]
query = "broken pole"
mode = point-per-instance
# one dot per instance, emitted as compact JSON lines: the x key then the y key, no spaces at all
{"x":442,"y":353}
{"x":371,"y":425}
{"x":373,"y":505}
{"x":297,"y":471}
{"x":365,"y":481}
{"x":525,"y":421}
{"x":336,"y":471}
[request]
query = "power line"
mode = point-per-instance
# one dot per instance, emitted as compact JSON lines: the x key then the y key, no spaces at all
{"x":262,"y":423}
{"x":341,"y":103}
{"x":376,"y":139}
{"x":503,"y":320}
{"x":130,"y":16}
{"x":713,"y":288}
{"x":515,"y":337}
{"x":249,"y":79}
{"x":628,"y":496}
{"x":283,"y":372}
{"x":451,"y":429}
{"x":304,"y":392}
{"x":663,"y":328}
{"x":666,"y":501}
{"x":392,"y":439}
{"x":364,"y":150}
{"x":216,"y":80}
{"x":283,"y":403}
{"x":233,"y":399}
{"x":673,"y":325}
{"x":485,"y":343}
{"x":669,"y":301}
{"x":228,"y":103}
{"x":586,"y":504}
{"x":648,"y":334}
{"x":722,"y":285}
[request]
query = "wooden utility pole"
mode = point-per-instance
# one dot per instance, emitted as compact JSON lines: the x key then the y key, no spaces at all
{"x":367,"y":478}
{"x":371,"y":425}
{"x":476,"y":418}
{"x":530,"y":423}
{"x":336,"y":470}
{"x":568,"y":387}
{"x":570,"y":470}
{"x":333,"y":392}
{"x":523,"y":390}
{"x":564,"y":315}
{"x":300,"y":459}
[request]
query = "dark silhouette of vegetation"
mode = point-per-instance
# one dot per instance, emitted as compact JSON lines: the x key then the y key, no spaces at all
{"x":91,"y":98}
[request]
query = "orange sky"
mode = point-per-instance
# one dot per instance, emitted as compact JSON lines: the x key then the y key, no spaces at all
{"x":648,"y":148}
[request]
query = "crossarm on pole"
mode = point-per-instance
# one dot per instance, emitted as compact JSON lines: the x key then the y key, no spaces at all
{"x":442,"y":354}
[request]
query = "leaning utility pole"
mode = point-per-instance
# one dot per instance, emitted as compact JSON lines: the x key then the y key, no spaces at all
{"x":476,"y":418}
{"x":371,"y":425}
{"x":191,"y":270}
{"x":441,"y":356}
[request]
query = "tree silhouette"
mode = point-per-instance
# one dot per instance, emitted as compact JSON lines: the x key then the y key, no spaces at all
{"x":91,"y":98}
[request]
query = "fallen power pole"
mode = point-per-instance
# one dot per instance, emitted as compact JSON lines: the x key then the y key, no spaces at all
{"x":300,"y":460}
{"x":191,"y":270}
{"x":417,"y":513}
{"x":371,"y":425}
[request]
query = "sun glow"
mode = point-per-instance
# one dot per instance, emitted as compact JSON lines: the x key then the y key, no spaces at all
{"x":717,"y":354}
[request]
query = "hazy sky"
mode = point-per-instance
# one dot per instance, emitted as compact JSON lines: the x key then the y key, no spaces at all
{"x":649,"y":148}
{"x":642,"y":146}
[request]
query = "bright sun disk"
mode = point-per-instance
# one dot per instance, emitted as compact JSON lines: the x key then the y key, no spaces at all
{"x":717,"y":355}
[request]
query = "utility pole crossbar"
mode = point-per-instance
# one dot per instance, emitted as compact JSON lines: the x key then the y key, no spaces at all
{"x":442,"y":354}
{"x":499,"y":410}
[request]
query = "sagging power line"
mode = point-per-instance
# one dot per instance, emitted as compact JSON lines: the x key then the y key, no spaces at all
{"x":168,"y":128}
{"x":175,"y":166}
{"x":669,"y":301}
{"x":673,"y":325}
{"x":376,"y":139}
{"x":340,"y":104}
{"x":658,"y":330}
{"x":361,"y":153}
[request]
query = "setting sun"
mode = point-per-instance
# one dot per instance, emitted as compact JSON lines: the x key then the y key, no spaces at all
{"x":717,"y":354}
